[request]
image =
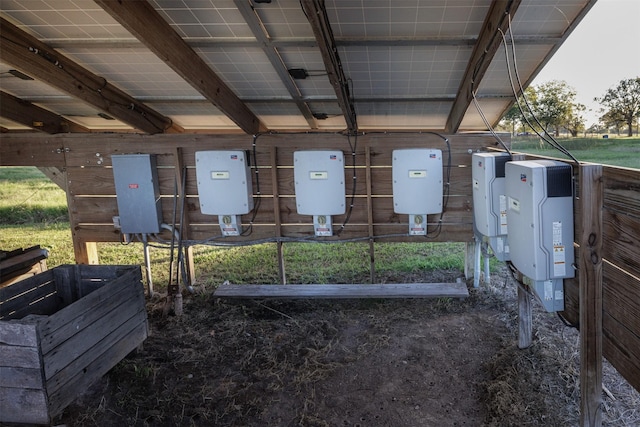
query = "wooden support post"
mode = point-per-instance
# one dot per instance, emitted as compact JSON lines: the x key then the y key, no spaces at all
{"x":180,"y":174}
{"x":147,"y":268}
{"x":590,"y":279}
{"x":477,"y":270}
{"x":85,"y":252}
{"x":282,"y":273}
{"x":525,"y":317}
{"x":468,"y":260}
{"x":191,"y":269}
{"x":487,"y":269}
{"x":372,"y":257}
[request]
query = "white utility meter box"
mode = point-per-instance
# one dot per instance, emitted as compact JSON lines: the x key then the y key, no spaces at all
{"x":417,"y":185}
{"x":540,"y":217}
{"x":319,"y":187}
{"x":137,"y":194}
{"x":224,"y":187}
{"x":490,"y":200}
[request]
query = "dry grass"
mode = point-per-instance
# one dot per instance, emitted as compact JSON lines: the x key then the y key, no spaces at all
{"x":353,"y":363}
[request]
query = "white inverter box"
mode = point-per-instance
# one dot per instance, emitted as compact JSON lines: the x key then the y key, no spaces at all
{"x":417,"y":181}
{"x":224,"y":187}
{"x":319,"y":187}
{"x":319,"y":182}
{"x":540,"y":217}
{"x":224,"y":182}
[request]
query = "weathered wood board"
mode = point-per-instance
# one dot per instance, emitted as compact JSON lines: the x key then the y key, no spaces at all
{"x":388,"y":290}
{"x":94,"y":317}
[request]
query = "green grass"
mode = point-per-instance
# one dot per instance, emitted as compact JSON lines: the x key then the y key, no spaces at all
{"x":621,"y":151}
{"x":27,"y":196}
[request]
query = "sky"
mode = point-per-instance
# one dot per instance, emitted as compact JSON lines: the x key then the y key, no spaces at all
{"x":602,"y":50}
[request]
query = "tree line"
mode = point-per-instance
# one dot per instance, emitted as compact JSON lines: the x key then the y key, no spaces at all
{"x":551,"y":107}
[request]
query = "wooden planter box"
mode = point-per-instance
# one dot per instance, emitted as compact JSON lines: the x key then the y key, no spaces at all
{"x":60,"y":331}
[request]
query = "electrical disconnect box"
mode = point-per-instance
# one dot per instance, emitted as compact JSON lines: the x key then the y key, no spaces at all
{"x":540,"y":217}
{"x":319,"y":187}
{"x":224,"y":187}
{"x":137,"y":194}
{"x":417,"y":185}
{"x":490,"y":200}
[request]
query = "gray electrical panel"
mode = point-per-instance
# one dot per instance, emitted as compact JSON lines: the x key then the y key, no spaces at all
{"x":540,"y":217}
{"x":138,"y":197}
{"x":490,"y":200}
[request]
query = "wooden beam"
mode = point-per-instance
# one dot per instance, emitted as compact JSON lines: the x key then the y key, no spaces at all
{"x":43,"y":63}
{"x":317,"y":16}
{"x":38,"y":118}
{"x":485,"y":49}
{"x":590,"y":276}
{"x":56,"y":175}
{"x":388,"y":290}
{"x":271,"y":51}
{"x":142,"y":20}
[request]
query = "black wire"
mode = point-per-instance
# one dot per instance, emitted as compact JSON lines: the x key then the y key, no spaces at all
{"x":566,"y":322}
{"x":446,"y":190}
{"x":446,"y":187}
{"x":353,"y":190}
{"x":247,"y":231}
{"x":487,"y":124}
{"x":547,"y":138}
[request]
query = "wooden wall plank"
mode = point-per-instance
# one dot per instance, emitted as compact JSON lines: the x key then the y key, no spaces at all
{"x":28,"y":285}
{"x":621,"y":301}
{"x":45,"y":306}
{"x":19,"y":357}
{"x":58,"y":328}
{"x":622,"y":234}
{"x":13,"y":377}
{"x":622,"y":189}
{"x":12,"y":404}
{"x":73,"y":356}
{"x":22,"y":300}
{"x":27,"y":151}
{"x":621,"y":347}
{"x":450,"y":233}
{"x":98,"y":210}
{"x":114,"y":349}
{"x":19,"y":334}
{"x":572,"y":301}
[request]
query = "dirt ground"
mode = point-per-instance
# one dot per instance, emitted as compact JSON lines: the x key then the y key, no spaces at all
{"x":443,"y":362}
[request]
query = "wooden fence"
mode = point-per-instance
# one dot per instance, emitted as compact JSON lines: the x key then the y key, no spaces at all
{"x":85,"y":165}
{"x":620,"y":273}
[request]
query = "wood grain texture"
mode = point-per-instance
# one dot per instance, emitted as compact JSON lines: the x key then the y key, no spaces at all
{"x":46,"y":361}
{"x":390,"y":290}
{"x":590,"y":279}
